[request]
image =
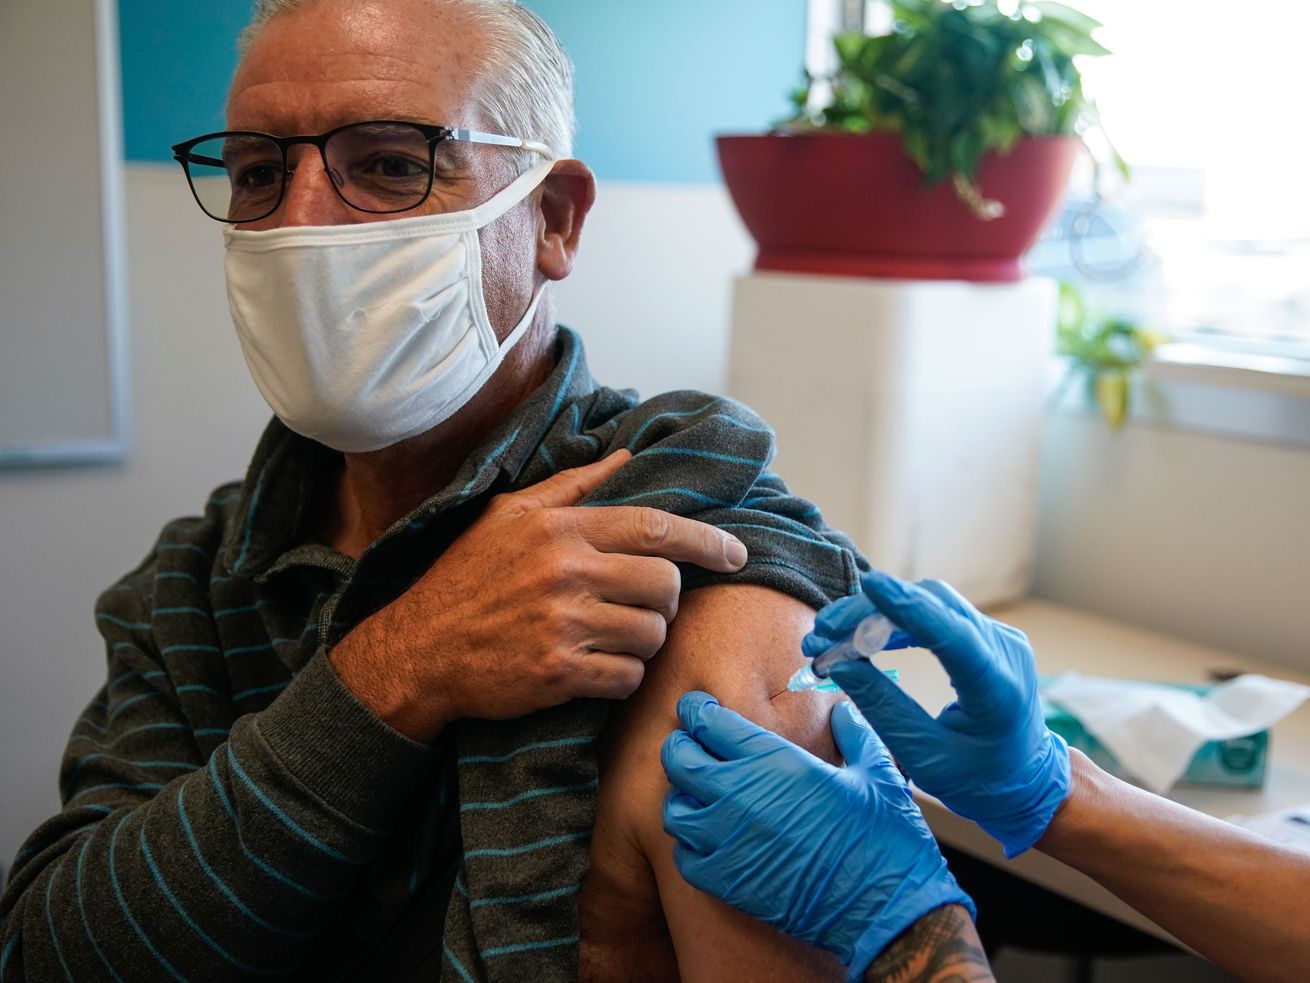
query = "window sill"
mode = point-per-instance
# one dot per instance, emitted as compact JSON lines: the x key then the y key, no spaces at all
{"x":1204,"y":365}
{"x":1196,"y":389}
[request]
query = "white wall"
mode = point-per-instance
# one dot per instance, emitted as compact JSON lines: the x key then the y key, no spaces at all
{"x":652,"y":290}
{"x":1197,"y":535}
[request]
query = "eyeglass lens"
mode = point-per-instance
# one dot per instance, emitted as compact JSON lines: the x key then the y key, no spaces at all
{"x":375,"y":167}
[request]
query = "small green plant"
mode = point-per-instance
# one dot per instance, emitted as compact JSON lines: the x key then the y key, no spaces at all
{"x":957,"y":80}
{"x":1107,"y":351}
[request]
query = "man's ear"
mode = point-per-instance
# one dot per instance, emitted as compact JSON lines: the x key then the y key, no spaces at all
{"x":567,"y":195}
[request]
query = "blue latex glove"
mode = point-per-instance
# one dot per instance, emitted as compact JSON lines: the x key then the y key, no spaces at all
{"x":989,"y":755}
{"x":839,"y":857}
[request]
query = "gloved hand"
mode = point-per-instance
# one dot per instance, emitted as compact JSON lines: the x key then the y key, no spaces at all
{"x":989,"y":755}
{"x":839,"y":857}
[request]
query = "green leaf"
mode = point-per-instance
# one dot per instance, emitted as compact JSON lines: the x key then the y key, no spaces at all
{"x":949,"y":79}
{"x":1070,"y":42}
{"x":899,"y":59}
{"x":1072,"y":310}
{"x":1032,"y":107}
{"x":1000,"y":133}
{"x":916,"y":145}
{"x":1112,"y":394}
{"x":1062,"y":14}
{"x":799,"y":98}
{"x":914,"y":13}
{"x":848,"y":48}
{"x":1057,"y":90}
{"x":964,"y":151}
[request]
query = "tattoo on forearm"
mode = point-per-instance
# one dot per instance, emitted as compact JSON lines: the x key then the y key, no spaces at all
{"x":941,"y":947}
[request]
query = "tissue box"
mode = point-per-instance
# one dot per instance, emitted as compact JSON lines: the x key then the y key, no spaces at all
{"x":1239,"y":762}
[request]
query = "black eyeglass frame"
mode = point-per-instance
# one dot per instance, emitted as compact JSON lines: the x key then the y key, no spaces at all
{"x":432,"y":133}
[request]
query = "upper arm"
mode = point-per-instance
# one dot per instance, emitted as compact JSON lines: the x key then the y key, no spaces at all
{"x":741,"y":643}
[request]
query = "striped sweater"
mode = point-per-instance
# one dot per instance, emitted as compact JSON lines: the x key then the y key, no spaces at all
{"x":231,"y":811}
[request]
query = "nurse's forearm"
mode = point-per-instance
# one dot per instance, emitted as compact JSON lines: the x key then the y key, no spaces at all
{"x":941,"y":947}
{"x":1234,"y":897}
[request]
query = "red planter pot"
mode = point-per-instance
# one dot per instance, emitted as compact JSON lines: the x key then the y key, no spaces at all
{"x":856,"y":205}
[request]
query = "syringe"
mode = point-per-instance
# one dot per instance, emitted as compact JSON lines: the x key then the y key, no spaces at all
{"x":869,"y":638}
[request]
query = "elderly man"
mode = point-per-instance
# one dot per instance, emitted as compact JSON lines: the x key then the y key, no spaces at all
{"x":355,"y":723}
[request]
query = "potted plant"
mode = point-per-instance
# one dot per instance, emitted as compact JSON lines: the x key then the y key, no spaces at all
{"x":1108,"y":351}
{"x":937,"y":150}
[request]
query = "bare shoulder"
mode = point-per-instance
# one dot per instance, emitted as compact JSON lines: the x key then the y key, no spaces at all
{"x":741,"y":643}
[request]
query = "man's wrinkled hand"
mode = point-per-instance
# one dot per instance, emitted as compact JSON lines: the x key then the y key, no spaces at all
{"x":537,"y":603}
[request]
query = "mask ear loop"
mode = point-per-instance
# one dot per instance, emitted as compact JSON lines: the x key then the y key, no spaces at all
{"x":530,"y":315}
{"x":518,"y":190}
{"x":479,"y":218}
{"x":546,"y":166}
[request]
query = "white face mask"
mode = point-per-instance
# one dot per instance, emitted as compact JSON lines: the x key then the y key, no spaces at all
{"x":361,"y":336}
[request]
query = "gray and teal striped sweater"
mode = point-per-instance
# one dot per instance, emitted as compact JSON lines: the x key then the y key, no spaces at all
{"x":231,"y":812}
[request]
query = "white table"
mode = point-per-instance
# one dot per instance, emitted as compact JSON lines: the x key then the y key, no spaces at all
{"x":1066,"y":639}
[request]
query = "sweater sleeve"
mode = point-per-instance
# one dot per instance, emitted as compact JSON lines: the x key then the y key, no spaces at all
{"x":167,"y":865}
{"x":708,"y":458}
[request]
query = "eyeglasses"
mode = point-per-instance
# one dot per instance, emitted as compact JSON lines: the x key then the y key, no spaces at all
{"x":378,"y":166}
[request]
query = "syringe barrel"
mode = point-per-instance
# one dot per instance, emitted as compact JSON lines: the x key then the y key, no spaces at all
{"x":843,"y":651}
{"x":872,"y":634}
{"x":869,"y":638}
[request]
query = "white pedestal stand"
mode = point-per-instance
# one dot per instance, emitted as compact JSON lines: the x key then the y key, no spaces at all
{"x":909,"y":411}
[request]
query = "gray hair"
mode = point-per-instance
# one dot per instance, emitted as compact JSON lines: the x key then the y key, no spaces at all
{"x":527,"y":88}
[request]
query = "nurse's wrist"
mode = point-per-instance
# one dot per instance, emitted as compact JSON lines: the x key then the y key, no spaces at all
{"x":1072,"y":813}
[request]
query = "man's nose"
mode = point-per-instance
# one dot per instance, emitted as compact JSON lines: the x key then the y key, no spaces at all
{"x":310,"y":198}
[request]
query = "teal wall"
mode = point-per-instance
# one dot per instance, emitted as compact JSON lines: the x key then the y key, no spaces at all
{"x":656,"y":80}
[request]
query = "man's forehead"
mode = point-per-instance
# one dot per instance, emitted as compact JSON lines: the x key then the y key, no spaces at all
{"x":334,"y":62}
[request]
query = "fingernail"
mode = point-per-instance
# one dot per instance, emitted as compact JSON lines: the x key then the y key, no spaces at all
{"x":734,"y":551}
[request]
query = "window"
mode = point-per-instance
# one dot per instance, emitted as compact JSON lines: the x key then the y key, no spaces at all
{"x":1211,"y":239}
{"x":1203,"y":100}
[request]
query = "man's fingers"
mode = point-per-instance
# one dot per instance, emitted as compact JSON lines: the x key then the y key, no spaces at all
{"x":605,"y":676}
{"x":627,"y":630}
{"x":641,"y":581}
{"x":571,"y":486}
{"x":650,"y":532}
{"x":723,"y":732}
